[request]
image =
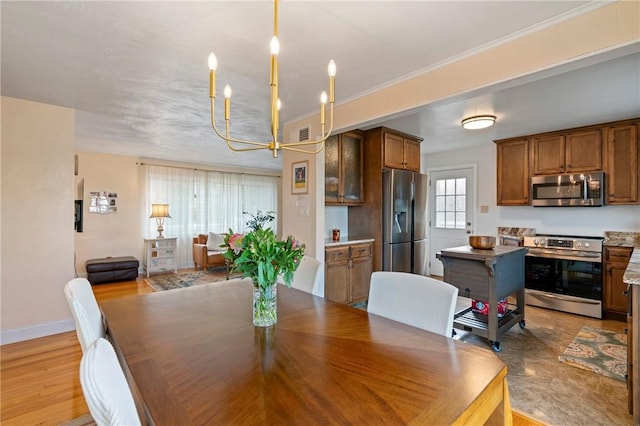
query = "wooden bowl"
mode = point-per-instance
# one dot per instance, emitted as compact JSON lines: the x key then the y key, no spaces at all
{"x":484,"y":242}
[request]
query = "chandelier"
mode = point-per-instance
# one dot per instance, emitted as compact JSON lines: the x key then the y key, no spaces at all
{"x":312,"y":147}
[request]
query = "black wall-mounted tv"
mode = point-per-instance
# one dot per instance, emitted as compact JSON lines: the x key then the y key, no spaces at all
{"x":77,"y":225}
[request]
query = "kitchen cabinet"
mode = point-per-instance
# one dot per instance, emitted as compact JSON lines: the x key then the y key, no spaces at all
{"x":347,"y":272}
{"x":365,"y":221}
{"x":615,"y":296}
{"x":567,"y":152}
{"x":401,"y":152}
{"x":622,"y":164}
{"x":343,"y":169}
{"x":513,"y":172}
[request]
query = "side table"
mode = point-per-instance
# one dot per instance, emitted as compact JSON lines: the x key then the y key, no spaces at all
{"x":160,"y":254}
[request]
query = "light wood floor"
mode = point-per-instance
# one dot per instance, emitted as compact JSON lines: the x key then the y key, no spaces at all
{"x":39,"y":382}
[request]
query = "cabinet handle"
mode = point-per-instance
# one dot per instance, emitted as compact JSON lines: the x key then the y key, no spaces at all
{"x":625,"y":293}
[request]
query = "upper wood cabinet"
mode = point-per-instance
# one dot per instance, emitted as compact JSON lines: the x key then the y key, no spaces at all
{"x":567,"y":152}
{"x":513,"y":172}
{"x":621,"y":164}
{"x":401,"y":152}
{"x":343,"y":169}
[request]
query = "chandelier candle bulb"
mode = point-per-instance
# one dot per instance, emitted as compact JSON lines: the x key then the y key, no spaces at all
{"x":274,"y":145}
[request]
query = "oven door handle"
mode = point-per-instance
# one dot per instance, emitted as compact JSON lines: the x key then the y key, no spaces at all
{"x":595,"y":258}
{"x":566,"y":298}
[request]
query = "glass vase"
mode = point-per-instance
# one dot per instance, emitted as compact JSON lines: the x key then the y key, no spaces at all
{"x":265,"y":305}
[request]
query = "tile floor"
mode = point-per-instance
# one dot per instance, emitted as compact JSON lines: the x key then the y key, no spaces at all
{"x":548,"y":390}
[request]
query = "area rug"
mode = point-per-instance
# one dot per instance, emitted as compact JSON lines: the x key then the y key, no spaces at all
{"x":186,"y":279}
{"x":600,"y":351}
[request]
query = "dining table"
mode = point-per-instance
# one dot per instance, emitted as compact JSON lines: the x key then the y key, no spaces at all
{"x":192,"y":356}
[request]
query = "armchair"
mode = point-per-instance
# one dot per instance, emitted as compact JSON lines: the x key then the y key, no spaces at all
{"x":208,"y":256}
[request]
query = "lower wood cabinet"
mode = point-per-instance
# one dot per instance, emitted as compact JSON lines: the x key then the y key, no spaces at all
{"x":615,"y":294}
{"x":347,"y":272}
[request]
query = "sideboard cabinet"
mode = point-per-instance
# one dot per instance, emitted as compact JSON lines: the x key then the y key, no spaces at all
{"x":160,"y":254}
{"x":343,"y":169}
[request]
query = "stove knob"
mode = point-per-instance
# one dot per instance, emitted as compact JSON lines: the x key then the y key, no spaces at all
{"x":535,"y":242}
{"x":579,"y":244}
{"x":586,"y":245}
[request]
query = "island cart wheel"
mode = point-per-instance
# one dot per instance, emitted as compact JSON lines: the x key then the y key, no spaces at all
{"x":495,"y":346}
{"x":522,"y":324}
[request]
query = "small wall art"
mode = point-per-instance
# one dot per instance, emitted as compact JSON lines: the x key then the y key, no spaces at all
{"x":103,"y":202}
{"x":300,"y":177}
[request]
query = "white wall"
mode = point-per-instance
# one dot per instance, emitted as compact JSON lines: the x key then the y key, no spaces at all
{"x":587,"y":221}
{"x":37,"y":218}
{"x":114,"y":234}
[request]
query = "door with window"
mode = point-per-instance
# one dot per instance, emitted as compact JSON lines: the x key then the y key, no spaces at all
{"x":451,"y":211}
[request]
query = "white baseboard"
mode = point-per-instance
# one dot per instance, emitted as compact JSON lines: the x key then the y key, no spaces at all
{"x":33,"y":332}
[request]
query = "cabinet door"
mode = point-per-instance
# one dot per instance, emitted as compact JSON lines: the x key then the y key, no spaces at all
{"x":548,"y":154}
{"x":393,"y":151}
{"x":351,"y":177}
{"x":360,"y":276}
{"x":336,"y":285}
{"x":331,"y":169}
{"x":583,"y":151}
{"x":615,"y":296}
{"x":622,"y":165}
{"x":412,"y":155}
{"x":513,"y":173}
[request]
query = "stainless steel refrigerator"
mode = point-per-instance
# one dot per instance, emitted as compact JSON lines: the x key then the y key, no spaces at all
{"x":404,"y":222}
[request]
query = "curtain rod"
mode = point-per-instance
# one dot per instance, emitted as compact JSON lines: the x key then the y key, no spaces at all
{"x":141,"y":163}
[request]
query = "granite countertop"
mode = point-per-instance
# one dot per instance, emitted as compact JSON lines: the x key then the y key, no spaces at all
{"x":328,"y":242}
{"x":517,"y":234}
{"x":468,"y":252}
{"x":632,"y":274}
{"x":621,"y":239}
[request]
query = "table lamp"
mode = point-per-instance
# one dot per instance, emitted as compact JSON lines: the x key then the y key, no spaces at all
{"x":159,"y":212}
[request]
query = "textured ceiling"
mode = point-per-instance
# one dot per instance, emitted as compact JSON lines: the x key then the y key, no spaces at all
{"x":136,"y":72}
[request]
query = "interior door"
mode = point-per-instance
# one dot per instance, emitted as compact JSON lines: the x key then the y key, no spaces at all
{"x":451,"y":211}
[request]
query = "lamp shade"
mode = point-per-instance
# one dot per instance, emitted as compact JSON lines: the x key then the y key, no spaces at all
{"x":159,"y":210}
{"x":478,"y":122}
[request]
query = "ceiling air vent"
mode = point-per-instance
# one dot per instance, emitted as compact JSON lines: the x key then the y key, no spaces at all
{"x":303,"y":134}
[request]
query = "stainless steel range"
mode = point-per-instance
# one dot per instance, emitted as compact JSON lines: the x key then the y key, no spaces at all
{"x":564,"y":273}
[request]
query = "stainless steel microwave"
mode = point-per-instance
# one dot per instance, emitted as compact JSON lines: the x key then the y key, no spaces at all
{"x":568,"y":190}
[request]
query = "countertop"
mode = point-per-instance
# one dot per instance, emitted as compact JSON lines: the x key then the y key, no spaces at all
{"x":621,"y":239}
{"x":328,"y":242}
{"x":632,"y":274}
{"x":470,"y":253}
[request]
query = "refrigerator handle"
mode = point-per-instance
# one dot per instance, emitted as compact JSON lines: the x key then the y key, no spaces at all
{"x":413,"y":190}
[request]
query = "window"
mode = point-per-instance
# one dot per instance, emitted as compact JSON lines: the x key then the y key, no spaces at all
{"x":207,"y":201}
{"x":451,"y":209}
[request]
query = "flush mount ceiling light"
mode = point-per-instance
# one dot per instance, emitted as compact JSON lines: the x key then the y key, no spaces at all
{"x":313,"y":147}
{"x":478,"y":122}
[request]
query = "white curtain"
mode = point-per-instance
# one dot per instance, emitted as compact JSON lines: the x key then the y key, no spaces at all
{"x":206,"y":201}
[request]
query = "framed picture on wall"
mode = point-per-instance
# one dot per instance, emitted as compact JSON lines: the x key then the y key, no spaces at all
{"x":300,"y":176}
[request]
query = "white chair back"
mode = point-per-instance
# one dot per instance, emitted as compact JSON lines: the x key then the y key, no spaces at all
{"x":306,"y":275}
{"x":105,"y":388}
{"x":412,"y":299}
{"x":85,"y":310}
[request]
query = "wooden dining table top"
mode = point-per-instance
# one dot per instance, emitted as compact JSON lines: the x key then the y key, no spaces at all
{"x":193,"y":357}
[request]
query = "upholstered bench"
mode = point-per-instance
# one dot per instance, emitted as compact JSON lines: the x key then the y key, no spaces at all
{"x":111,"y":269}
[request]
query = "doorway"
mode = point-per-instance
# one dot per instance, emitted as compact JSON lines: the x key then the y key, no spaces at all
{"x":452,"y":201}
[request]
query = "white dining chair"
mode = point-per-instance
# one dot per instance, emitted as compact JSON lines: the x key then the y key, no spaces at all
{"x":412,"y":299}
{"x":85,"y":310}
{"x":105,"y":388}
{"x":305,"y":277}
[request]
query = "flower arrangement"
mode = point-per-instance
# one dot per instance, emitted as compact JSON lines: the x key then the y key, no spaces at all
{"x":261,"y":256}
